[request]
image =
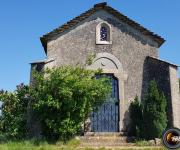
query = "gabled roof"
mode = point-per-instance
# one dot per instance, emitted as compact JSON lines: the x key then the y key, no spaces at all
{"x":100,"y":6}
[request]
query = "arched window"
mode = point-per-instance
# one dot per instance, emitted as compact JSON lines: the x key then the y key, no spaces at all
{"x":103,"y":33}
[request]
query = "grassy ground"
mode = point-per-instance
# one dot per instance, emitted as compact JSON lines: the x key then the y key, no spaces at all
{"x":71,"y":145}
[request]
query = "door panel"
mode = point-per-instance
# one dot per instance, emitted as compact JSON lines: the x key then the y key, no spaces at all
{"x":106,"y":117}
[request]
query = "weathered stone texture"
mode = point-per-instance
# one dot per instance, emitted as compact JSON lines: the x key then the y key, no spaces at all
{"x":128,"y":45}
{"x":35,"y":67}
{"x":165,"y":75}
{"x":175,"y":97}
{"x":158,"y":71}
{"x":135,"y":52}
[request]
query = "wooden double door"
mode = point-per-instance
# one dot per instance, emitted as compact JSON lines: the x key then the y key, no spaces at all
{"x":105,"y":118}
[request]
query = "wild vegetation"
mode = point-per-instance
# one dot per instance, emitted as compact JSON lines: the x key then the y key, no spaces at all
{"x":70,"y":145}
{"x":62,"y":99}
{"x":65,"y":98}
{"x":149,"y":118}
{"x":14,"y":113}
{"x":136,"y":117}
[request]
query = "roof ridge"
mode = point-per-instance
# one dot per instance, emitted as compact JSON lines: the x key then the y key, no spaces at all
{"x":102,"y":4}
{"x":44,"y":39}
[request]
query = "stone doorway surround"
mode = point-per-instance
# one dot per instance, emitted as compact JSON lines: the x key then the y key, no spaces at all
{"x":111,"y":65}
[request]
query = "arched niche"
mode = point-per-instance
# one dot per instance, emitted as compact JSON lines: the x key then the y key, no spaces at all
{"x":106,"y":61}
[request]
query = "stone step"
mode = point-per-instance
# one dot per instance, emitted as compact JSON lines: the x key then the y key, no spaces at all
{"x":106,"y":144}
{"x":105,"y":140}
{"x":105,"y":134}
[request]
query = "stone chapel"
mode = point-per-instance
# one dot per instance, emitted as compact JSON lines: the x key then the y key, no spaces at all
{"x":126,"y":51}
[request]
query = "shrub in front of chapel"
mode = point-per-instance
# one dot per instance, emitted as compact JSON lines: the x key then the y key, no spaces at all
{"x":149,"y":120}
{"x":136,"y":117}
{"x":64,"y":97}
{"x":154,"y":112}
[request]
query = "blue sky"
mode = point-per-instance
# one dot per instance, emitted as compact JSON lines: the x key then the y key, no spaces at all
{"x":23,"y":22}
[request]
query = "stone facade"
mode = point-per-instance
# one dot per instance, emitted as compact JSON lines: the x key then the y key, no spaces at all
{"x":166,"y":77}
{"x":134,"y":51}
{"x":175,"y":101}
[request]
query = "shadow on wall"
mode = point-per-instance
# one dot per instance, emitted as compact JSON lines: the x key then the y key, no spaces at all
{"x":127,"y":121}
{"x":154,"y":69}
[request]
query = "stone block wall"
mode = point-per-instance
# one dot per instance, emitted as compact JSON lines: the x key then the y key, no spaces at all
{"x":175,"y":95}
{"x":136,"y":52}
{"x":165,"y":74}
{"x":128,"y":45}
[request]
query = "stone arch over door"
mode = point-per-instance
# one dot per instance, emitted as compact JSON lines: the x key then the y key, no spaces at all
{"x":111,"y":65}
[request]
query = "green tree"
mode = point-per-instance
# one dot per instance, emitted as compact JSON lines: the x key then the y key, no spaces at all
{"x":154,"y":113}
{"x":14,"y":112}
{"x":64,"y":97}
{"x":136,"y":117}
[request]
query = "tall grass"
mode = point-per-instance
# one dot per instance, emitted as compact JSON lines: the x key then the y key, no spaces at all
{"x":70,"y":145}
{"x":38,"y":145}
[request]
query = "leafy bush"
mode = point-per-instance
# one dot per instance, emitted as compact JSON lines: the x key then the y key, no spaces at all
{"x":154,"y":113}
{"x":63,"y":98}
{"x":136,"y":117}
{"x":13,"y":112}
{"x":149,"y":119}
